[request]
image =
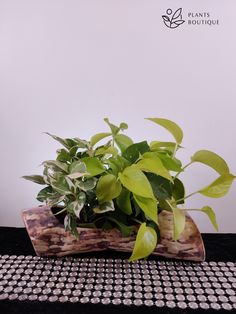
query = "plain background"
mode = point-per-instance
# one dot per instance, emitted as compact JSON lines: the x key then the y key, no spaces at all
{"x":65,"y":65}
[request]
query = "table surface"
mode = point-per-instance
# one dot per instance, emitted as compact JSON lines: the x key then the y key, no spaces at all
{"x":15,"y":241}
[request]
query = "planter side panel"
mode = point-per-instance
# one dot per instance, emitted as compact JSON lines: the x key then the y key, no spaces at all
{"x":49,"y":238}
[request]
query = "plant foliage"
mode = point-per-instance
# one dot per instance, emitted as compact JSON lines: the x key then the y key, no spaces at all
{"x":120,"y":183}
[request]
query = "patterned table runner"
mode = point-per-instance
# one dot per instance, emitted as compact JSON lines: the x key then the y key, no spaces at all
{"x":206,"y":285}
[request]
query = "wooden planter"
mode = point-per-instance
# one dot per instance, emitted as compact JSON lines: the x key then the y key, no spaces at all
{"x":49,"y":237}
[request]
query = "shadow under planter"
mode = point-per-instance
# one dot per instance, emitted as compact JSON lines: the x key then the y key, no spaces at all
{"x":49,"y":237}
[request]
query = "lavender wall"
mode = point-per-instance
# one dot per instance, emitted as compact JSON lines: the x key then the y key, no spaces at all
{"x":64,"y":65}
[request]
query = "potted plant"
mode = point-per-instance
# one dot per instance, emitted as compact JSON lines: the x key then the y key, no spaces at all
{"x":121,"y":195}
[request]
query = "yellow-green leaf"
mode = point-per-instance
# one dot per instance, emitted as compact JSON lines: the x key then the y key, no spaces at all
{"x":145,"y":243}
{"x":104,"y":207}
{"x":171,"y":126}
{"x":123,"y":201}
{"x":154,"y":165}
{"x":156,"y":145}
{"x":210,"y":213}
{"x":98,"y":137}
{"x":212,"y":160}
{"x":135,"y":181}
{"x":219,"y":187}
{"x":148,"y":206}
{"x":107,"y":188}
{"x":179,"y":222}
{"x":110,"y":150}
{"x":93,"y":165}
{"x":123,"y":141}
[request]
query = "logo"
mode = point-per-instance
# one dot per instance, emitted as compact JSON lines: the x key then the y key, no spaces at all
{"x":173,"y":20}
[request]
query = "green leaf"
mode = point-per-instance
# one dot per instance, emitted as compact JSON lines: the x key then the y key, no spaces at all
{"x":104,"y":207}
{"x":154,"y":165}
{"x":77,"y":205}
{"x":56,"y":165}
{"x":98,"y":137}
{"x":93,"y":165}
{"x":145,"y":243}
{"x":179,"y":222}
{"x":212,"y":160}
{"x":219,"y":187}
{"x":178,"y":191}
{"x":210,"y":213}
{"x":123,"y":141}
{"x":171,"y":126}
{"x":148,"y":206}
{"x":77,"y":170}
{"x":35,"y":178}
{"x":135,"y":181}
{"x":133,"y":152}
{"x":107,"y":188}
{"x":161,"y":187}
{"x":87,"y":184}
{"x":123,"y":202}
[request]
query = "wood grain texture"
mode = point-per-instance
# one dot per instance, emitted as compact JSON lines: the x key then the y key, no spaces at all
{"x":49,"y":237}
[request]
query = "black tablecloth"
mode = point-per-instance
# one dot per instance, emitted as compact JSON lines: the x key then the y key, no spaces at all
{"x":15,"y":241}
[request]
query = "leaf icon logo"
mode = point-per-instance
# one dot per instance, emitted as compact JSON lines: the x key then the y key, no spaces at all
{"x":173,"y":20}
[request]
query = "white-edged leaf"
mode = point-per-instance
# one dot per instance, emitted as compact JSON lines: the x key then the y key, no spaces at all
{"x":77,"y":170}
{"x":35,"y":178}
{"x":56,"y":165}
{"x":77,"y":206}
{"x":86,"y":185}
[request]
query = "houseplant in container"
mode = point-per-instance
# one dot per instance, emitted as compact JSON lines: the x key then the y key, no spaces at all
{"x":121,"y":195}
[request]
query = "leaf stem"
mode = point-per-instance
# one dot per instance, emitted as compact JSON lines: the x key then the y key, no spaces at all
{"x":184,"y":198}
{"x":169,"y":203}
{"x":177,"y":174}
{"x":136,"y":220}
{"x":61,"y":211}
{"x":175,"y":150}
